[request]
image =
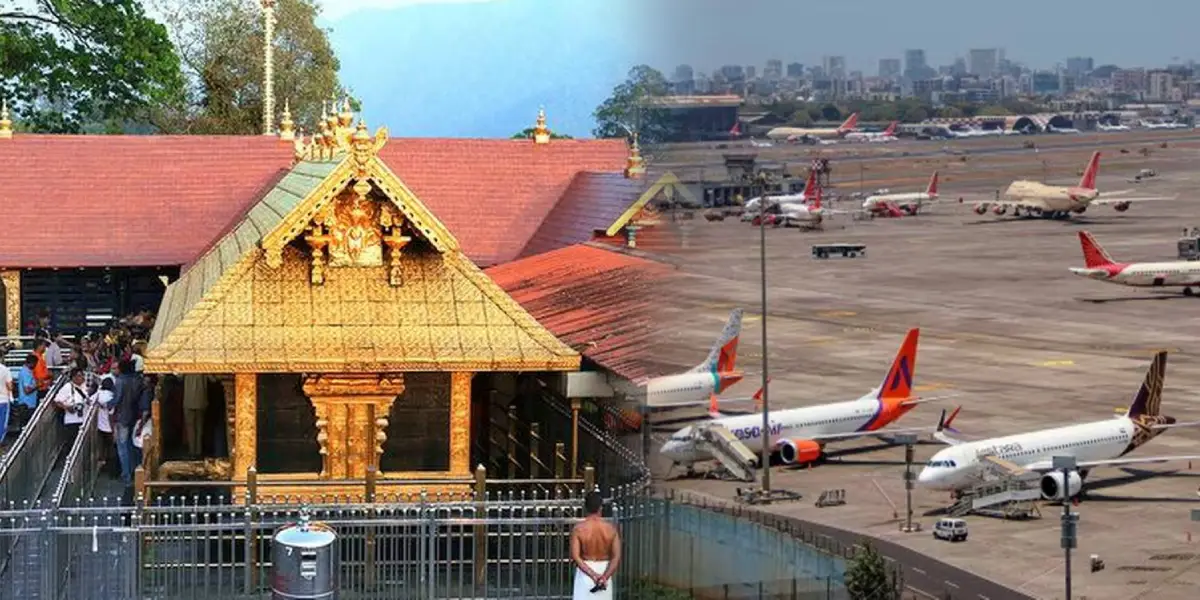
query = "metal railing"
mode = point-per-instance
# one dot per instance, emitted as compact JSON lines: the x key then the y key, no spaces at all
{"x":28,"y":463}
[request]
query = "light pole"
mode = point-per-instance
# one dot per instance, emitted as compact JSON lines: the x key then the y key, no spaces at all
{"x":909,"y":440}
{"x":1066,"y":465}
{"x":766,"y":410}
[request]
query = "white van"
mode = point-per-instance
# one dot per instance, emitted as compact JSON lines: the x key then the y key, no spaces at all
{"x":953,"y":530}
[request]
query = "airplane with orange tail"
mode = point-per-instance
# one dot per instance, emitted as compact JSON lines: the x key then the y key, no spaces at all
{"x":799,"y":435}
{"x":716,"y":374}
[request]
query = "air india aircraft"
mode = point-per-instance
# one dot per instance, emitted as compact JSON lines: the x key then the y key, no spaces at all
{"x":1034,"y":199}
{"x":1101,"y":267}
{"x":901,"y":204}
{"x":887,"y":135}
{"x":813,"y":136}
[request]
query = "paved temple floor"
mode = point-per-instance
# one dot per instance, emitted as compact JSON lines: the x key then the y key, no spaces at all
{"x":1004,"y":325}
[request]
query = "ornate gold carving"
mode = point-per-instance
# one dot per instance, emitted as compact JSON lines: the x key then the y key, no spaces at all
{"x":318,"y":240}
{"x":363,"y":147}
{"x":209,"y":469}
{"x":351,"y":419}
{"x":541,"y":133}
{"x":635,"y":166}
{"x":12,"y":302}
{"x":354,"y":238}
{"x":647,"y":217}
{"x":246,"y":427}
{"x":6,"y":132}
{"x":392,"y":222}
{"x":287,"y":127}
{"x":460,"y":423}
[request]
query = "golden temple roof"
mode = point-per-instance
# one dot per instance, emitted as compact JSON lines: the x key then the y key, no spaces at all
{"x":340,"y":268}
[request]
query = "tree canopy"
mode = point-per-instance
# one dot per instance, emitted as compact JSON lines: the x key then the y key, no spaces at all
{"x":221,"y":48}
{"x":69,"y":64}
{"x":624,"y":110}
{"x":527,"y":134}
{"x":868,"y":577}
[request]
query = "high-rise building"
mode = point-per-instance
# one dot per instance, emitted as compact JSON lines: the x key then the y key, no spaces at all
{"x":774,"y":70}
{"x":1077,"y":66}
{"x":795,"y":70}
{"x":732,"y":73}
{"x":751,"y":72}
{"x":1129,"y":81}
{"x":889,"y":68}
{"x":835,"y":67}
{"x":1161,"y":85}
{"x":683,"y":73}
{"x":960,"y":67}
{"x":983,"y":62}
{"x":914,"y":63}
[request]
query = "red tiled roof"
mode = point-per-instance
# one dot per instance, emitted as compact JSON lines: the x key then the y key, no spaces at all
{"x":598,"y":301}
{"x":89,"y":201}
{"x":592,"y":202}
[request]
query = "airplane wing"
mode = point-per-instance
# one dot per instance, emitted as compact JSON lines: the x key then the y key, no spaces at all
{"x":943,"y":423}
{"x":1045,"y":466}
{"x":1121,"y":200}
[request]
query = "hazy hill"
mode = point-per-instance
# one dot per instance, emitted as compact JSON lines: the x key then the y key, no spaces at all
{"x":482,"y":70}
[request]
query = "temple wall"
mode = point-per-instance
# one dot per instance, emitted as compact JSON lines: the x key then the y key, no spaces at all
{"x":287,"y":426}
{"x":418,"y":433}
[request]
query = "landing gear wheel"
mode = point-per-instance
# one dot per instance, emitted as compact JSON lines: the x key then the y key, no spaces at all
{"x":1187,"y":291}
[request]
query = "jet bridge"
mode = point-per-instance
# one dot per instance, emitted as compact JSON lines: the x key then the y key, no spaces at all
{"x":1004,"y":490}
{"x":718,"y":441}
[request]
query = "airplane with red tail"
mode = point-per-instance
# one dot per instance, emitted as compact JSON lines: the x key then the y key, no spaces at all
{"x":1101,"y":267}
{"x":896,"y":205}
{"x":799,"y":435}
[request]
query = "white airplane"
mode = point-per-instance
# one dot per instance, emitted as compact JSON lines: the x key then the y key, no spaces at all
{"x":800,"y":434}
{"x":887,"y":135}
{"x":1053,"y":129}
{"x":1101,"y":267}
{"x":1107,"y":127}
{"x":813,"y":135}
{"x":1057,"y":202}
{"x":1096,"y":444}
{"x":1162,"y":125}
{"x":713,"y":376}
{"x":897,"y":204}
{"x":759,"y":144}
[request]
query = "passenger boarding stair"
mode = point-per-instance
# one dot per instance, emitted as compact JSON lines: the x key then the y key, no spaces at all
{"x":1004,"y":490}
{"x":718,"y":441}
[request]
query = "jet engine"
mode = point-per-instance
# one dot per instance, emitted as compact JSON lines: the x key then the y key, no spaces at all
{"x":1000,"y":209}
{"x":1121,"y":206}
{"x":1081,"y":210}
{"x":798,"y":452}
{"x":980,"y":209}
{"x":1052,"y":485}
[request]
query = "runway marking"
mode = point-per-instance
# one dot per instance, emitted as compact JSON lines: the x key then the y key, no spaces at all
{"x":821,"y":340}
{"x":933,"y":387}
{"x":922,"y":592}
{"x":951,"y":584}
{"x":834,"y":314}
{"x":1056,"y":363}
{"x":921,"y":571}
{"x":750,"y":318}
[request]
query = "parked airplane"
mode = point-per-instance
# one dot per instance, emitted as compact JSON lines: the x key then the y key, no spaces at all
{"x":801,"y":434}
{"x":1107,"y":127}
{"x":1053,"y":129}
{"x":1057,"y":202}
{"x":1101,"y":267}
{"x":887,"y":135}
{"x":813,"y":135}
{"x":898,"y":204}
{"x":713,"y":376}
{"x":1163,"y":125}
{"x":1096,"y":444}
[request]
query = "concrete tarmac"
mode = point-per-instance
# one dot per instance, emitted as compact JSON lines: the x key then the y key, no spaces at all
{"x":1022,"y":342}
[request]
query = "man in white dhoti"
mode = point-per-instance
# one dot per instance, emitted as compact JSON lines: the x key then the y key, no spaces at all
{"x":596,"y":551}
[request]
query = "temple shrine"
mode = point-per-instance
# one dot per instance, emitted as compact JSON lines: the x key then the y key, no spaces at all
{"x":332,"y":288}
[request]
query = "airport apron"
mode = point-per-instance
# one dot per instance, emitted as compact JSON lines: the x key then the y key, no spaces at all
{"x":584,"y":584}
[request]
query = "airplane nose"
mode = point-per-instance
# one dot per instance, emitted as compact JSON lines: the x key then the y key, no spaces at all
{"x":925,"y":477}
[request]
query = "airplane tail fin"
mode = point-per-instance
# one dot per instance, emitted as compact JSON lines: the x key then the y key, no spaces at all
{"x":1094,"y":254}
{"x":810,"y":186}
{"x":816,"y":199}
{"x":891,"y":130}
{"x":722,"y":358}
{"x":1148,"y":401}
{"x":944,"y":426}
{"x":897,"y":385}
{"x":933,"y":186}
{"x":1088,"y":182}
{"x":850,"y":123}
{"x":759,"y":395}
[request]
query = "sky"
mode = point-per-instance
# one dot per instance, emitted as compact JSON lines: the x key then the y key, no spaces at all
{"x":709,"y":33}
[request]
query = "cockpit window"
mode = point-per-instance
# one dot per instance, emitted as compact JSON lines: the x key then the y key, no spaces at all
{"x":682,"y":435}
{"x":941,"y":463}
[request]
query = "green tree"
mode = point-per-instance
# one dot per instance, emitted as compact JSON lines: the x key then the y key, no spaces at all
{"x":868,"y":577}
{"x":68,"y":64}
{"x":830,"y":112}
{"x":221,"y":47}
{"x":626,"y":110}
{"x":915,"y":114}
{"x":527,"y":134}
{"x":992,"y":110}
{"x":950,"y":112}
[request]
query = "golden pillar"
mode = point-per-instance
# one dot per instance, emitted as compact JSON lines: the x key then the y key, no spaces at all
{"x":12,"y":302}
{"x":352,"y":418}
{"x":245,"y":447}
{"x":460,"y":423}
{"x":230,"y":389}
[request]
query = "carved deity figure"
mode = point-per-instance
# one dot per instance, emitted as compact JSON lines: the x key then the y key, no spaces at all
{"x":354,"y":231}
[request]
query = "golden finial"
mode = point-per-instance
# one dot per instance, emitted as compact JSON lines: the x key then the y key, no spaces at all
{"x":360,"y":133}
{"x":635,"y":167}
{"x":346,"y":119}
{"x":5,"y":122}
{"x":332,"y":117}
{"x":299,"y":147}
{"x":287,"y":128}
{"x":541,"y":134}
